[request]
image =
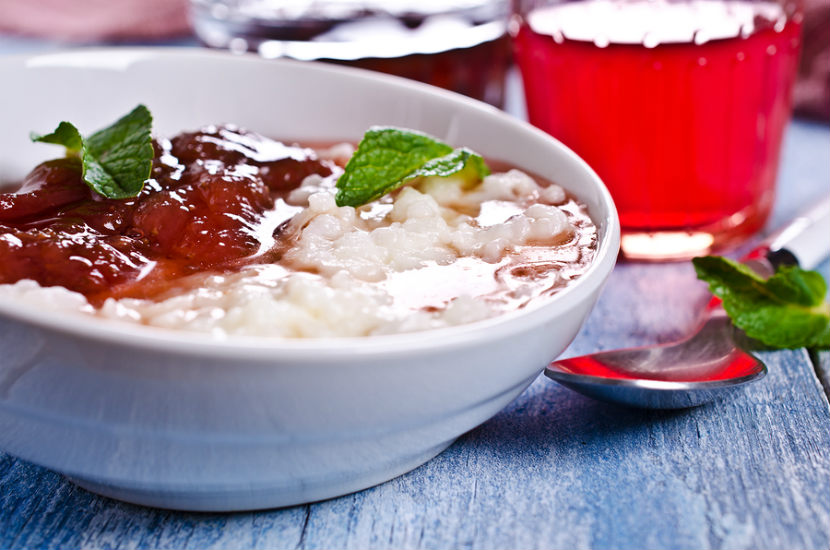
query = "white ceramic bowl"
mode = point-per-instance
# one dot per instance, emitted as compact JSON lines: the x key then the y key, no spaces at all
{"x":179,"y":420}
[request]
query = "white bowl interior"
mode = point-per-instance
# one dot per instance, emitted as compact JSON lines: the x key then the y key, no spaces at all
{"x":316,"y":103}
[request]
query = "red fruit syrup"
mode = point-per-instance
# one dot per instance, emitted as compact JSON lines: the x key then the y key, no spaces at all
{"x":680,"y":107}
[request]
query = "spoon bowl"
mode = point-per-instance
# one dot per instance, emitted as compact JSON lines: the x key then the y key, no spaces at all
{"x":687,"y":373}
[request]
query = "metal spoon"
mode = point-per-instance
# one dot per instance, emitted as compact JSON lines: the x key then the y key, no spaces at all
{"x":711,"y":362}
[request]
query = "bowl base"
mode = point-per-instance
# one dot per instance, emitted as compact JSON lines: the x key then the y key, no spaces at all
{"x":242,"y":498}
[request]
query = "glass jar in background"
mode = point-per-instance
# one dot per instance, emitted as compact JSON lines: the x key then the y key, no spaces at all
{"x":679,"y":105}
{"x":460,"y":45}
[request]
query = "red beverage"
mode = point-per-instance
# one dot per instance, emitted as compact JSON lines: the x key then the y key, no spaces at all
{"x":680,"y":108}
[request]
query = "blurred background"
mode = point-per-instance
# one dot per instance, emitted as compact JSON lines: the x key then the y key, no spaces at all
{"x":462,"y":45}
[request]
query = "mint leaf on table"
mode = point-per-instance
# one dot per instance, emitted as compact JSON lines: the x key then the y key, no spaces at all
{"x":388,"y":158}
{"x":117,"y":160}
{"x":787,"y":310}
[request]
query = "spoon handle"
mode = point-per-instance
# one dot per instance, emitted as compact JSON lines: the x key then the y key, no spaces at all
{"x":804,"y":241}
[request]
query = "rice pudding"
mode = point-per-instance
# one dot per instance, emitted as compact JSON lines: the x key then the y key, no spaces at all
{"x":236,"y":233}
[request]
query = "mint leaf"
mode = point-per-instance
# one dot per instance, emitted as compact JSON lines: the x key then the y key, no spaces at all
{"x":785,"y":311}
{"x":388,"y":158}
{"x":65,"y":134}
{"x":117,"y":159}
{"x":454,"y":162}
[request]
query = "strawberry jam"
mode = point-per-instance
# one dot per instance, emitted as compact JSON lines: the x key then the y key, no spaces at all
{"x":213,"y":202}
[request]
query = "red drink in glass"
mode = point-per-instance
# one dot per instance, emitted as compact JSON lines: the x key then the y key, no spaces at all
{"x":680,"y":107}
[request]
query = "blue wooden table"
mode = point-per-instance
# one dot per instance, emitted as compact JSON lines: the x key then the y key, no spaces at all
{"x":554,"y":469}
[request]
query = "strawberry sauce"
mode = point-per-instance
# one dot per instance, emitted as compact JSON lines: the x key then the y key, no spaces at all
{"x":214,"y":200}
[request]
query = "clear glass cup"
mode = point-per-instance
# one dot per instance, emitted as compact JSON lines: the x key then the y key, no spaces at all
{"x":460,"y":45}
{"x":679,"y":105}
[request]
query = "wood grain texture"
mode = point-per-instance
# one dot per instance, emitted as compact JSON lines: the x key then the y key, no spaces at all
{"x":554,"y":469}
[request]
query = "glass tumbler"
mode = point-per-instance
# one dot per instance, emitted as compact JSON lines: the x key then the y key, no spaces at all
{"x":460,"y":45}
{"x":679,"y":105}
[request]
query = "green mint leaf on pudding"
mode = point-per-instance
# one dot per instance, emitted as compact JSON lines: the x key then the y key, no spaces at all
{"x":456,"y":161}
{"x":388,"y":158}
{"x":788,"y":310}
{"x":65,"y":134}
{"x":117,"y":160}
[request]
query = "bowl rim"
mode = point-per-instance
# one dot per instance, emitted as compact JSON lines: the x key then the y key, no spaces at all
{"x":191,"y":343}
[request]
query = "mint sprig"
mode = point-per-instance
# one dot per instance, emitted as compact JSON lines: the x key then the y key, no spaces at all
{"x":65,"y":134}
{"x":117,"y":160}
{"x":388,"y":158}
{"x":788,"y":310}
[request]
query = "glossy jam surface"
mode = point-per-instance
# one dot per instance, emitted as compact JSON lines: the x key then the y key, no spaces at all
{"x":214,"y":199}
{"x":680,"y":107}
